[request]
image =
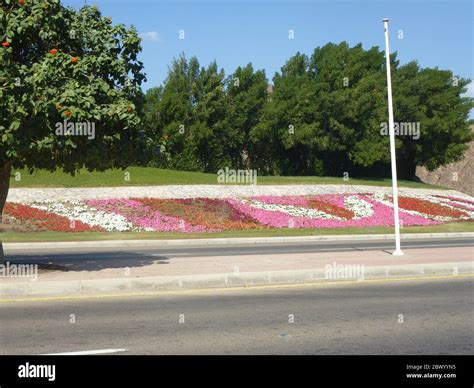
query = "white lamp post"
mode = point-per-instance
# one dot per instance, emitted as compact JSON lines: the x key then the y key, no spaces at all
{"x":398,"y":251}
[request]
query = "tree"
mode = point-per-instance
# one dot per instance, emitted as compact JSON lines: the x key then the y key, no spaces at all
{"x":247,"y":95}
{"x":289,"y":137}
{"x":187,"y":117}
{"x":349,"y":99}
{"x":326,"y":112}
{"x":165,"y":109}
{"x":354,"y":111}
{"x":432,"y":98}
{"x":57,"y":65}
{"x":210,"y":131}
{"x":169,"y":114}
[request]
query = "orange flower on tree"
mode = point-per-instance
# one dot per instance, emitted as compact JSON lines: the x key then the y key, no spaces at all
{"x":67,"y":113}
{"x":6,"y":44}
{"x":59,"y":107}
{"x":53,"y":51}
{"x":21,"y":2}
{"x":129,"y":109}
{"x":74,"y":59}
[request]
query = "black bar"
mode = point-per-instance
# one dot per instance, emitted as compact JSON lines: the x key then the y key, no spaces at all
{"x":293,"y":371}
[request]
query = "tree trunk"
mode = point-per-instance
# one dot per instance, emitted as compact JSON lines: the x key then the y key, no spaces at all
{"x":5,"y":172}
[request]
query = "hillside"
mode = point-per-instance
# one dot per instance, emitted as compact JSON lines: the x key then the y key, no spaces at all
{"x":457,"y":176}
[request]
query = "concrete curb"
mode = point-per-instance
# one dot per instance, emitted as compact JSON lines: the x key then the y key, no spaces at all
{"x":225,"y":241}
{"x":96,"y":287}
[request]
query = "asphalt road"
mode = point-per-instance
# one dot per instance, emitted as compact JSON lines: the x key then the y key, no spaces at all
{"x":50,"y":254}
{"x":389,"y":317}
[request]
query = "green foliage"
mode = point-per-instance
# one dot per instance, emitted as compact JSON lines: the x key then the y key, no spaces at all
{"x":199,"y":120}
{"x":323,"y":117}
{"x":325,"y":114}
{"x":246,"y":95}
{"x":433,"y":98}
{"x":63,"y":64}
{"x":287,"y":136}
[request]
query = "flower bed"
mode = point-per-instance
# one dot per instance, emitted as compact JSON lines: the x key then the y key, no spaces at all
{"x":431,"y":207}
{"x":213,"y":214}
{"x":45,"y":220}
{"x":143,"y":217}
{"x":210,"y":215}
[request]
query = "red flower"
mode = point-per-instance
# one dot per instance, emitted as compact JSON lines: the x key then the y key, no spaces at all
{"x":46,"y":220}
{"x":21,"y":2}
{"x":329,"y":208}
{"x":6,"y":44}
{"x":74,"y":59}
{"x":68,"y":113}
{"x":427,"y":207}
{"x":53,"y":51}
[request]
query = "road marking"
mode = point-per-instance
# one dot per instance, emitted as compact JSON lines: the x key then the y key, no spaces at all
{"x":86,"y":352}
{"x":242,"y":288}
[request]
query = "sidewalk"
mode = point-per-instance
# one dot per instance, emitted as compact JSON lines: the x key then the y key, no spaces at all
{"x":142,"y":272}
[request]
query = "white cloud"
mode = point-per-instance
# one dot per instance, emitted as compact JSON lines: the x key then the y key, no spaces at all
{"x":151,"y":35}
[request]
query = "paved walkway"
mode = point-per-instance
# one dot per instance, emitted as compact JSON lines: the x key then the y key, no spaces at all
{"x":142,"y":265}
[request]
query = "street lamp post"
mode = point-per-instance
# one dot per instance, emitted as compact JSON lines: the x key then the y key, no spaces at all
{"x":398,"y":251}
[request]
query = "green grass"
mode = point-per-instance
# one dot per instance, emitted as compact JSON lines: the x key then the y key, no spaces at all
{"x":94,"y":236}
{"x":146,"y":176}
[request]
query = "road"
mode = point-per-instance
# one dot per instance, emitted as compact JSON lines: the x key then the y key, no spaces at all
{"x":380,"y":317}
{"x":50,"y":254}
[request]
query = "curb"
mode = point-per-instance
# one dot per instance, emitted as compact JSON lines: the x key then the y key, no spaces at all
{"x":96,"y":287}
{"x":226,"y":241}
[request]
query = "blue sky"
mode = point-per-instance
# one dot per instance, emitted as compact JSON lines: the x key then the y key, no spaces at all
{"x":236,"y":32}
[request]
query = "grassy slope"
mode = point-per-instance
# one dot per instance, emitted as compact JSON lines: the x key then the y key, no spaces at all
{"x":144,"y":176}
{"x":89,"y":236}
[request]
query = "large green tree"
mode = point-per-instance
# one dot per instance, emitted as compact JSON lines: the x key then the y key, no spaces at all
{"x":350,"y":87}
{"x":288,"y":138}
{"x":187,"y":117}
{"x":247,"y":93}
{"x":59,"y":64}
{"x":169,"y":113}
{"x":434,"y":99}
{"x":326,"y":113}
{"x":210,"y":130}
{"x":200,"y":120}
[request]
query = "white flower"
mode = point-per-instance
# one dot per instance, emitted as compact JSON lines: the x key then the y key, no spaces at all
{"x":358,"y":206}
{"x":295,"y":211}
{"x":77,"y":211}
